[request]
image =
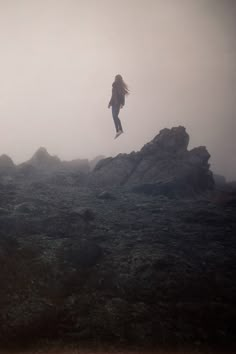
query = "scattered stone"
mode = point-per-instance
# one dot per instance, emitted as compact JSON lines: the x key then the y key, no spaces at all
{"x":25,"y":208}
{"x":86,"y":214}
{"x":106,"y":196}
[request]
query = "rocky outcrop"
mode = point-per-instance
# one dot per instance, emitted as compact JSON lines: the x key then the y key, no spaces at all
{"x":162,"y":164}
{"x":42,"y":160}
{"x":42,"y":163}
{"x":7,"y":166}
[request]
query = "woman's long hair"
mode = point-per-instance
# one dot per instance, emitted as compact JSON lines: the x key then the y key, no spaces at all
{"x":122,"y":86}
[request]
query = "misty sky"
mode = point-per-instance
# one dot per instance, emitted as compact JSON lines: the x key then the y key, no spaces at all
{"x":58,"y":59}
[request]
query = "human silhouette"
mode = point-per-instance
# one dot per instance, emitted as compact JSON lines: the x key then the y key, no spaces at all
{"x":117,"y":101}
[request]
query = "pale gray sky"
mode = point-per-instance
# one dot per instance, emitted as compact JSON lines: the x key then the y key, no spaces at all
{"x":58,"y":59}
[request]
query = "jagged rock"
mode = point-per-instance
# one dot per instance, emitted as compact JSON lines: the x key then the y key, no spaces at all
{"x":43,"y":160}
{"x":42,"y":163}
{"x":7,"y":166}
{"x":173,"y":140}
{"x":164,"y":162}
{"x":113,"y":171}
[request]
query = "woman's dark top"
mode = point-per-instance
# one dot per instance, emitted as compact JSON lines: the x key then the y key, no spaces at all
{"x":118,"y":97}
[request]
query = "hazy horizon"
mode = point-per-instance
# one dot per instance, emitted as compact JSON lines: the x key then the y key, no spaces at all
{"x":59,"y":58}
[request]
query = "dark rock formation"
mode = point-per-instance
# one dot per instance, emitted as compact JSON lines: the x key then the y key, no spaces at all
{"x":7,"y":166}
{"x":163,"y":164}
{"x":42,"y":160}
{"x":62,"y":172}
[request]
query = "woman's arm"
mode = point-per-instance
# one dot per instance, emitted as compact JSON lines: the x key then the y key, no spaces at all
{"x":113,"y":97}
{"x":123,"y":101}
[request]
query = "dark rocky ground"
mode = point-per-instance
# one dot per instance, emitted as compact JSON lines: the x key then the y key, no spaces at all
{"x":149,"y":261}
{"x":83,"y":265}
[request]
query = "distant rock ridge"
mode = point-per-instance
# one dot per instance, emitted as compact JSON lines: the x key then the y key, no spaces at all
{"x":162,"y":166}
{"x":43,"y":160}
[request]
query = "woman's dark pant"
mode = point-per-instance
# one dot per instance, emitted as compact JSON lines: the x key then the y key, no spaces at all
{"x":115,"y":113}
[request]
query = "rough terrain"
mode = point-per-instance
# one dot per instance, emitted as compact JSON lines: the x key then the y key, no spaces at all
{"x":146,"y":267}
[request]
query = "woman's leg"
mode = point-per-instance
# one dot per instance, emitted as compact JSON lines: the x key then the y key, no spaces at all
{"x":119,"y":124}
{"x":115,"y":113}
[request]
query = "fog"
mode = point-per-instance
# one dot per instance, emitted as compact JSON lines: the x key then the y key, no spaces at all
{"x":59,"y":58}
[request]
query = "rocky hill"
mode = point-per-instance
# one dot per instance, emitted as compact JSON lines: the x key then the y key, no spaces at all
{"x":163,"y":166}
{"x":42,"y":160}
{"x":7,"y":166}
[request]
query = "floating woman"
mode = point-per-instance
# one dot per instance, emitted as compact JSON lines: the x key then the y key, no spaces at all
{"x":117,"y":101}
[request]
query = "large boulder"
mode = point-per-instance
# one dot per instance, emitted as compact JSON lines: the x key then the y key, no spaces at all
{"x":165,"y":161}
